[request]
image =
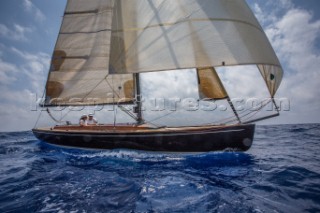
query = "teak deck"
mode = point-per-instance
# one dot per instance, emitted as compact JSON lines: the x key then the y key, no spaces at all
{"x":127,"y":128}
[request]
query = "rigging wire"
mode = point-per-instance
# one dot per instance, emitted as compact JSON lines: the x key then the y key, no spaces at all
{"x":51,"y":116}
{"x":64,"y":115}
{"x":125,"y":110}
{"x":94,"y":87}
{"x":37,"y":119}
{"x":111,"y":86}
{"x":158,"y":118}
{"x":42,"y":98}
{"x":233,"y":119}
{"x":118,"y":95}
{"x":225,"y":120}
{"x":61,"y":117}
{"x":255,"y":112}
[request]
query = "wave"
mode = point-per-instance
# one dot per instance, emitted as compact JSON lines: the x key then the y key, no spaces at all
{"x":279,"y":173}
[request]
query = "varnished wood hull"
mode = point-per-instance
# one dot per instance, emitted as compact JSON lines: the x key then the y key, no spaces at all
{"x":193,"y":139}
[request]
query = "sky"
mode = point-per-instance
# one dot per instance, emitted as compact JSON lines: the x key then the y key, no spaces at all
{"x":28,"y":32}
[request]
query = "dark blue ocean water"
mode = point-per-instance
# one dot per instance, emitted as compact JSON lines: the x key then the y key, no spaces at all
{"x":280,"y":173}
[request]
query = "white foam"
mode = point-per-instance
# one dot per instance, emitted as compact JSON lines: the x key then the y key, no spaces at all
{"x":136,"y":156}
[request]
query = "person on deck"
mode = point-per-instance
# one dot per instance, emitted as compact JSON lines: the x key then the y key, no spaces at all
{"x":83,"y":120}
{"x":92,"y":120}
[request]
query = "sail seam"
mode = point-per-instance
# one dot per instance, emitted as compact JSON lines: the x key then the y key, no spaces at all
{"x":188,"y":20}
{"x":80,"y":12}
{"x":98,"y":31}
{"x":95,"y":12}
{"x":82,"y":57}
{"x":213,"y":65}
{"x":84,"y":47}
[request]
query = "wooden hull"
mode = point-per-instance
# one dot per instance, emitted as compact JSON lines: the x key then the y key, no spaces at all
{"x":182,"y":139}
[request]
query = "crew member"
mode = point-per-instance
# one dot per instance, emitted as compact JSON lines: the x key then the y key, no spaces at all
{"x":83,"y":120}
{"x":92,"y":120}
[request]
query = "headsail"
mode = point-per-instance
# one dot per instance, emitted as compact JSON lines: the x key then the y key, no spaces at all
{"x":79,"y":68}
{"x":166,"y":35}
{"x":210,"y":86}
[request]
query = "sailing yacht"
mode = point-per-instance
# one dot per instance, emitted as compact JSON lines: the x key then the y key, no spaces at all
{"x":105,"y":45}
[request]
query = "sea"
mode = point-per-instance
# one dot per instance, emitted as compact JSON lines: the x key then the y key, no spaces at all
{"x":280,"y":173}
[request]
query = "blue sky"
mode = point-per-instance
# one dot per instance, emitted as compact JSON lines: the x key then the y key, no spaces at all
{"x":28,"y":31}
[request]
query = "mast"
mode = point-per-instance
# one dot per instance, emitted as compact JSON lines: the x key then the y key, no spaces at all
{"x":138,"y":99}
